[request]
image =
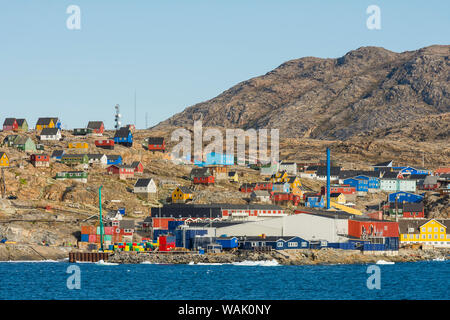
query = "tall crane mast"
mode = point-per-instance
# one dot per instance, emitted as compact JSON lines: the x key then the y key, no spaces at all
{"x":117,"y":117}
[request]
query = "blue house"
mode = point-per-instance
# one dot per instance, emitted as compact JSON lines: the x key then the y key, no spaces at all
{"x":372,"y":182}
{"x":276,"y":243}
{"x":405,"y":197}
{"x":57,"y":154}
{"x":411,"y":170}
{"x":228,"y":242}
{"x":124,"y":137}
{"x":214,"y":158}
{"x":314,"y":201}
{"x":114,"y":159}
{"x":361,"y":185}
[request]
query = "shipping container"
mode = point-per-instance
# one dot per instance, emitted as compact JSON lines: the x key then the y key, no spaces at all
{"x":92,"y":238}
{"x":85,"y":238}
{"x":85,"y":229}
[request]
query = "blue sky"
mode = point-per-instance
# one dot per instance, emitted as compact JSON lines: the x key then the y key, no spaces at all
{"x":178,"y":53}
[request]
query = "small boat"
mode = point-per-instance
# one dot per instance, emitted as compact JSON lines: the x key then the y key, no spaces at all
{"x":385,"y":262}
{"x":103,"y":263}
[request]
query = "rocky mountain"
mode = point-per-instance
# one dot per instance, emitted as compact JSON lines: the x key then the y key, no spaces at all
{"x":366,"y":90}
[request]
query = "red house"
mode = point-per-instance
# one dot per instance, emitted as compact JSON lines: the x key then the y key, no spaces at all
{"x":339,"y":188}
{"x":138,"y":167}
{"x":358,"y":228}
{"x":10,"y":124}
{"x":123,"y":171}
{"x":105,"y":143}
{"x":413,"y":210}
{"x":247,"y":187}
{"x":263,"y":186}
{"x":156,"y":144}
{"x":97,"y":127}
{"x":40,"y":160}
{"x":204,"y":180}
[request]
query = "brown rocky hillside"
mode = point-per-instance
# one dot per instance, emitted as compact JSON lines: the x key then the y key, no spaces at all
{"x":366,"y":90}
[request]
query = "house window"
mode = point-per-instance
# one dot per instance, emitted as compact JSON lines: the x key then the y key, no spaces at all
{"x":279,"y":244}
{"x":435,"y":229}
{"x":423,"y":236}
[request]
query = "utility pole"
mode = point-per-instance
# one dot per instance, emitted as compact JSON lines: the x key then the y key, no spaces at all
{"x":135,"y":107}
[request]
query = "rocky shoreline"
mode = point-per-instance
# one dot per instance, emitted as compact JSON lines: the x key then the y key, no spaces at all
{"x":25,"y":252}
{"x":288,"y":257}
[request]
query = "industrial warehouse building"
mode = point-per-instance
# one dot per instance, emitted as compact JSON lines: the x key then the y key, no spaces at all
{"x":219,"y":211}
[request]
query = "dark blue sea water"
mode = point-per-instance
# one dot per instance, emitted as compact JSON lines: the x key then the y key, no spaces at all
{"x":48,"y":280}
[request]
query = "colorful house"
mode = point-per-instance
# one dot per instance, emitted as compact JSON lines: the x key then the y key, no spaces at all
{"x":114,"y":159}
{"x":413,"y":210}
{"x":441,"y":171}
{"x":233,"y":176}
{"x":23,"y":143}
{"x":79,"y":176}
{"x":156,"y":144}
{"x":123,"y":171}
{"x":361,"y":185}
{"x":373,"y":183}
{"x":182,"y":194}
{"x":431,"y":183}
{"x":22,"y":125}
{"x":410,"y":170}
{"x":82,"y":131}
{"x":219,"y":172}
{"x":138,"y":167}
{"x":404,"y":197}
{"x":314,"y":201}
{"x":280,"y":176}
{"x":216,"y":158}
{"x":294,"y":182}
{"x":338,"y":198}
{"x":97,"y":127}
{"x":78,"y":145}
{"x":281,"y":187}
{"x":74,"y":159}
{"x":4,"y":160}
{"x":10,"y":124}
{"x":57,"y":154}
{"x":105,"y":144}
{"x":50,"y":134}
{"x":47,"y":123}
{"x":434,"y":232}
{"x":124,"y":137}
{"x":40,"y":160}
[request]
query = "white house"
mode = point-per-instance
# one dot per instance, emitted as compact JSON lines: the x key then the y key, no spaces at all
{"x":100,"y":159}
{"x":269,"y":170}
{"x":145,"y":186}
{"x":289,"y":167}
{"x":260,"y":196}
{"x":390,"y":184}
{"x":50,"y":134}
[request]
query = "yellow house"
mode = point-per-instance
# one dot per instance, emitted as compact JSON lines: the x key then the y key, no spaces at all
{"x":433,"y":232}
{"x":4,"y":160}
{"x":280,"y":176}
{"x":297,"y":191}
{"x":78,"y":145}
{"x":338,"y":197}
{"x":233,"y":176}
{"x":182,"y":194}
{"x":294,"y":182}
{"x":46,"y":123}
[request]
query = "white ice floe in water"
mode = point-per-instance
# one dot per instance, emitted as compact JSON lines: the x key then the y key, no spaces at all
{"x":103,"y":263}
{"x":385,"y":262}
{"x":439,"y":259}
{"x":149,"y":262}
{"x":264,"y":263}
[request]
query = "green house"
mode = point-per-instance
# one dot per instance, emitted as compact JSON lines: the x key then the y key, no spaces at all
{"x":75,"y":159}
{"x":20,"y":142}
{"x":82,"y":131}
{"x":80,"y":176}
{"x":22,"y":125}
